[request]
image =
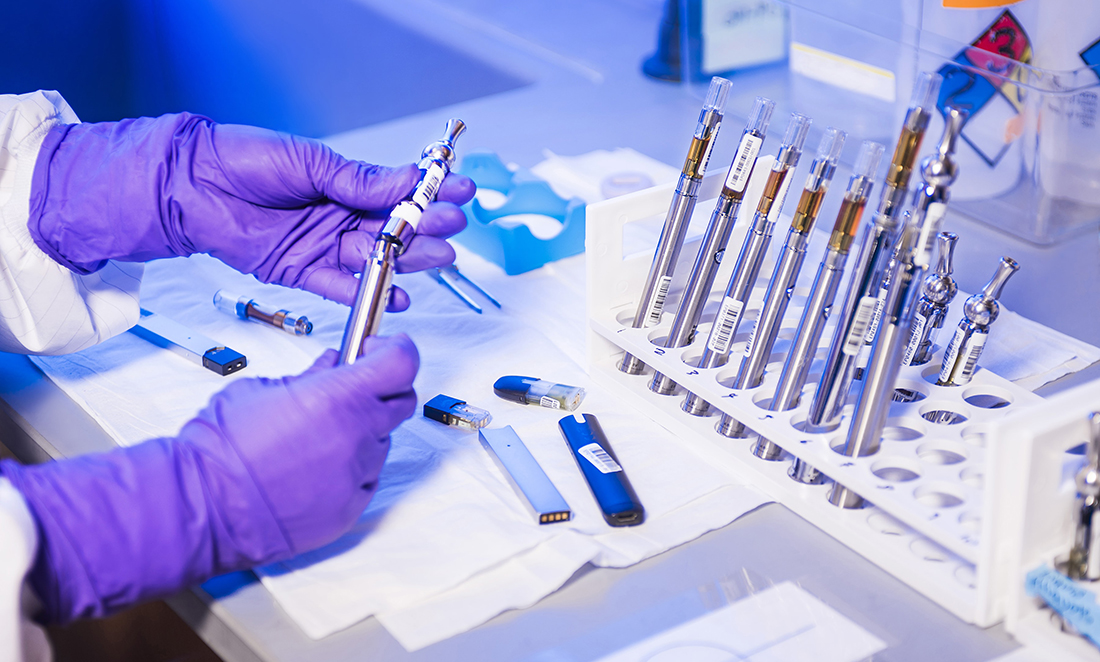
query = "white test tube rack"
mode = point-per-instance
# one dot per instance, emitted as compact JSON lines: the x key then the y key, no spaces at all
{"x":938,"y":518}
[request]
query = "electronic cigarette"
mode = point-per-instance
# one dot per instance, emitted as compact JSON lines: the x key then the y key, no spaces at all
{"x":876,"y":247}
{"x":535,"y":391}
{"x":914,"y":257}
{"x":718,"y":232}
{"x":936,"y":294}
{"x":377,"y":276}
{"x":652,"y":300}
{"x":751,"y":257}
{"x":1084,"y":558}
{"x":192,"y":346}
{"x":456,"y":413}
{"x":960,"y":359}
{"x":602,"y":471}
{"x":531,"y":484}
{"x":247,"y":308}
{"x":750,"y":372}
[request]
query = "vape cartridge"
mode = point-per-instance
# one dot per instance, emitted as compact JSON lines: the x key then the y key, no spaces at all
{"x":960,"y":359}
{"x":652,"y":300}
{"x":914,"y":257}
{"x":1084,"y":558}
{"x":535,"y":391}
{"x":250,"y":309}
{"x":749,"y":260}
{"x":876,"y":248}
{"x":456,"y":413}
{"x":194,"y":347}
{"x":796,"y":368}
{"x":936,"y":294}
{"x":375,"y":281}
{"x":717,"y":236}
{"x":750,"y":373}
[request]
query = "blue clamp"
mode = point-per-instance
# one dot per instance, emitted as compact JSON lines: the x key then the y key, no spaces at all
{"x":516,"y":249}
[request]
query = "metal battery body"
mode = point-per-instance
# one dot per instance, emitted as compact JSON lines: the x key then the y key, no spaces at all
{"x":525,"y":475}
{"x":960,"y":359}
{"x":602,"y":471}
{"x":377,"y":274}
{"x":652,"y":300}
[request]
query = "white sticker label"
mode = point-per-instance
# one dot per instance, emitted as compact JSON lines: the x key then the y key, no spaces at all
{"x":747,"y":152}
{"x":549,"y":403}
{"x":752,"y":338}
{"x":409,"y":212}
{"x":950,"y":356}
{"x":722,"y":333}
{"x":933,"y":219}
{"x":658,"y":304}
{"x":599,"y":458}
{"x":428,"y":187}
{"x":860,"y":321}
{"x":876,"y":319}
{"x":915,"y":337}
{"x":973,"y":351}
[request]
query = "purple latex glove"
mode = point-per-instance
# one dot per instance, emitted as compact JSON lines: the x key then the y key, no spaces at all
{"x":270,"y":468}
{"x":287,"y":209}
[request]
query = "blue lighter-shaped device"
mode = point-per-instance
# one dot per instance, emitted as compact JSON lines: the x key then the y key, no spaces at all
{"x":601,"y":469}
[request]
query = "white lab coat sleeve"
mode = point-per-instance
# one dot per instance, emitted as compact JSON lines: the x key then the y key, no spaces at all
{"x":44,"y":307}
{"x":20,"y":639}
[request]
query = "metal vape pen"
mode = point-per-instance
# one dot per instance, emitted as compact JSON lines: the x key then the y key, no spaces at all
{"x":377,"y":277}
{"x":747,"y":267}
{"x":1084,"y":558}
{"x":652,"y":300}
{"x":713,"y":246}
{"x":960,"y":359}
{"x":914,"y":256}
{"x":936,"y":294}
{"x":750,"y":372}
{"x":796,"y":368}
{"x":876,"y":247}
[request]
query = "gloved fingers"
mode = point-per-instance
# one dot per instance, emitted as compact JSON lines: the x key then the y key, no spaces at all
{"x":326,"y":360}
{"x":425,"y":252}
{"x":442,"y":219}
{"x":387,"y":366}
{"x":335,"y":285}
{"x":456,"y":188}
{"x":369,"y":187}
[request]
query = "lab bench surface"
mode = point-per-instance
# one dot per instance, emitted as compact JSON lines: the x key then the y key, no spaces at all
{"x":598,"y":610}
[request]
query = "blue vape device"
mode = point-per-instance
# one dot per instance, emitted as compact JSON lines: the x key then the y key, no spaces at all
{"x":602,"y":471}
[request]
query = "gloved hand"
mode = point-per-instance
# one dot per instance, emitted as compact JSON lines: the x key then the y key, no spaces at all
{"x":270,"y":468}
{"x":287,"y":209}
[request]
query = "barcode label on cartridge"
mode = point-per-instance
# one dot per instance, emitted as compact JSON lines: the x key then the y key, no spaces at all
{"x":780,"y":199}
{"x":428,"y":187}
{"x":599,"y":458}
{"x":860,"y":321}
{"x":747,"y":152}
{"x":973,"y":351}
{"x":950,"y":356}
{"x":876,"y":319}
{"x":752,"y":338}
{"x":409,"y":212}
{"x":722,"y":334}
{"x":915,"y":337}
{"x":549,"y":403}
{"x":658,"y":304}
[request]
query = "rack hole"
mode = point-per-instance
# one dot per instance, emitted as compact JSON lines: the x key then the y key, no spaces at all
{"x":929,"y":551}
{"x":903,"y":429}
{"x":971,"y":522}
{"x":939,"y":495}
{"x":943,"y":417}
{"x":966,"y":576}
{"x":972,"y":477}
{"x":907,"y":395}
{"x":896,"y":470}
{"x":939,"y":454}
{"x":987,"y":397}
{"x":885,"y":524}
{"x":974,"y":435}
